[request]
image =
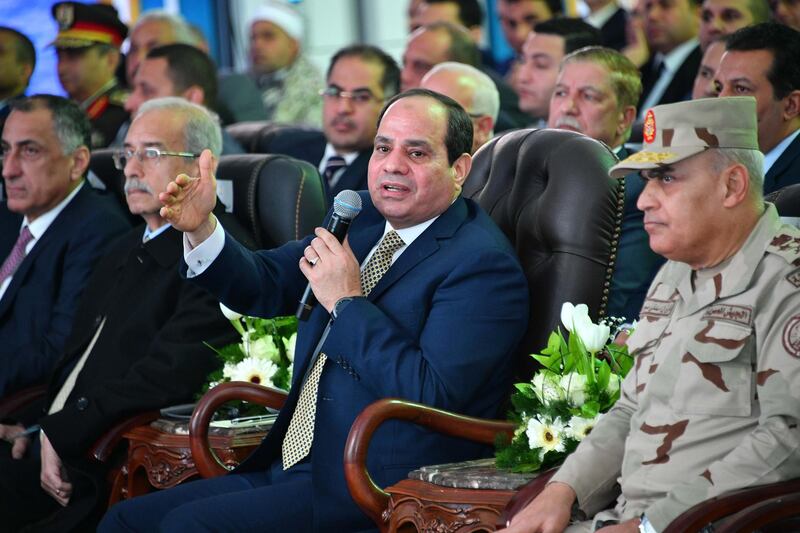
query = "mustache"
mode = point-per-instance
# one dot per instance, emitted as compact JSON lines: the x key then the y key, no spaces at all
{"x":135,"y":184}
{"x":337,"y":120}
{"x":569,"y":122}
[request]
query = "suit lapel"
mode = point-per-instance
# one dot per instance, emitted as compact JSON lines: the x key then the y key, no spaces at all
{"x":425,"y":245}
{"x":61,"y":224}
{"x":781,"y":165}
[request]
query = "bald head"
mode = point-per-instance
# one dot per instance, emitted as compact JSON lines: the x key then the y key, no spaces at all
{"x":473,"y":90}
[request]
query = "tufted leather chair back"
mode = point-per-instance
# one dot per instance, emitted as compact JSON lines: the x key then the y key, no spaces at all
{"x":549,"y":191}
{"x":256,"y":137}
{"x":786,"y":200}
{"x":275,"y":197}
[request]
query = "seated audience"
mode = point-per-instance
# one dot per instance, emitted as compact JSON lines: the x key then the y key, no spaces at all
{"x":436,"y":262}
{"x":18,"y":57}
{"x":52,"y":230}
{"x":178,"y":70}
{"x":542,"y":53}
{"x":426,"y":50}
{"x":670,"y":28}
{"x":137,"y":343}
{"x":287,"y":79}
{"x":360,"y":79}
{"x":711,"y":404}
{"x":87,"y":46}
{"x":786,"y":12}
{"x":473,"y":90}
{"x":596,"y":94}
{"x":518,"y":17}
{"x":238,"y":99}
{"x":612,"y":21}
{"x":719,"y":18}
{"x":761,"y":61}
{"x":704,"y":84}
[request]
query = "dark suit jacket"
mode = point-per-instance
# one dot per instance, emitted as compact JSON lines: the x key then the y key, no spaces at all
{"x":636,"y":263}
{"x":38,"y":308}
{"x":680,"y":88}
{"x":613,"y":31}
{"x":438,"y":328}
{"x":309,"y":145}
{"x":786,"y":170}
{"x":150,"y":354}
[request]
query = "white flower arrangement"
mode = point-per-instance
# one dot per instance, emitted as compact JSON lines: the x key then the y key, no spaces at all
{"x":579,"y":381}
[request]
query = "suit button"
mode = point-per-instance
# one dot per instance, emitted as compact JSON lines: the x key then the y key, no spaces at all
{"x":82,"y":403}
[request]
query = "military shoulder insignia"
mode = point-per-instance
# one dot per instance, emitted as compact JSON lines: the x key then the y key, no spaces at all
{"x":118,"y":97}
{"x":791,"y":336}
{"x":649,"y":127}
{"x":787,"y":245}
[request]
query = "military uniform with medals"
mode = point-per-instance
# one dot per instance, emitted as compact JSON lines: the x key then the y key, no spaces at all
{"x":82,"y":26}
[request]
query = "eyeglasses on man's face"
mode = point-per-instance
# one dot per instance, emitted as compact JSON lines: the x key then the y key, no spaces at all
{"x":146,"y":156}
{"x":358,"y":97}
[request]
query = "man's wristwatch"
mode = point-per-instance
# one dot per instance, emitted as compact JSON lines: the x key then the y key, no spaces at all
{"x":340,"y":304}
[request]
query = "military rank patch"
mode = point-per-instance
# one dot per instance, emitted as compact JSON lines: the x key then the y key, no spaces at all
{"x":791,"y":336}
{"x":794,"y":278}
{"x":738,"y":314}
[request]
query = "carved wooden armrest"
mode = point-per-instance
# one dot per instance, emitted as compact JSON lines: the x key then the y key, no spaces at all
{"x":208,"y":465}
{"x":104,"y":446}
{"x":372,"y":499}
{"x":16,"y":401}
{"x":713,"y":509}
{"x":761,"y":514}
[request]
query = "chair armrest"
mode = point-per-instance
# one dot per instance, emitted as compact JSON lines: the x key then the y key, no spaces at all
{"x":372,"y":499}
{"x":14,"y":402}
{"x":523,"y":497}
{"x":713,"y":509}
{"x":104,"y":446}
{"x":204,"y":459}
{"x":761,"y":514}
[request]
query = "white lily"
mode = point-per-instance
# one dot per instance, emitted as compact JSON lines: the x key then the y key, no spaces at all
{"x":546,"y":387}
{"x":573,"y":316}
{"x":594,"y":336}
{"x":264,"y":348}
{"x":574,"y":386}
{"x":229,"y":313}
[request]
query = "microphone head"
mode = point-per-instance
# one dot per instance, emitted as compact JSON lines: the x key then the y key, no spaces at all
{"x":347,"y":204}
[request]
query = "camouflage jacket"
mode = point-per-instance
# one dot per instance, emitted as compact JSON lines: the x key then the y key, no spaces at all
{"x":713,"y":401}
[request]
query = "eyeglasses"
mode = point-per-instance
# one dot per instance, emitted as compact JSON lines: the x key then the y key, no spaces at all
{"x":358,"y":97}
{"x":149,"y":155}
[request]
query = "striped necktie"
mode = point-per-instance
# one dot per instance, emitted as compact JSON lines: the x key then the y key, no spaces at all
{"x":300,"y":434}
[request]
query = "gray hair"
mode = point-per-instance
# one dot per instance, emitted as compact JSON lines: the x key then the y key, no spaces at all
{"x":753,"y":161}
{"x":70,"y":123}
{"x":182,"y":32}
{"x":201,"y":130}
{"x":486,"y":98}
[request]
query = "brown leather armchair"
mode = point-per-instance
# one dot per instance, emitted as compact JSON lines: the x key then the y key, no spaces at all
{"x":548,"y":190}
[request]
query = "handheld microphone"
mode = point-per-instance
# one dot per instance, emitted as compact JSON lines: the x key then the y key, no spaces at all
{"x":346,"y":206}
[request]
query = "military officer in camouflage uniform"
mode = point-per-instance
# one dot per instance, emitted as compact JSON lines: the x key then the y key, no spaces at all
{"x":87,"y":45}
{"x":713,"y":401}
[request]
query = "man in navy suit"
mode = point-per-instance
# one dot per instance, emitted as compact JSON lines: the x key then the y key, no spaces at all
{"x":439,"y":327}
{"x":596,"y":94}
{"x":57,"y":223}
{"x":761,"y":61}
{"x":360,"y":79}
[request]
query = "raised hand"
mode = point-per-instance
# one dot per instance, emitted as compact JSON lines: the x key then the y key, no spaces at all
{"x":188,"y":201}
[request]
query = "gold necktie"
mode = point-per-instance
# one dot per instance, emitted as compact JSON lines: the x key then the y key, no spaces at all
{"x":300,"y":434}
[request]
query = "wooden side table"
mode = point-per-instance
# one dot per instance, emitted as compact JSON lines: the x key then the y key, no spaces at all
{"x":455,"y":498}
{"x":159,"y":455}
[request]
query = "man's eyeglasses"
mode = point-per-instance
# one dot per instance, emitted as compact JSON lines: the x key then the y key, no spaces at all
{"x":150,"y":155}
{"x":359,"y":96}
